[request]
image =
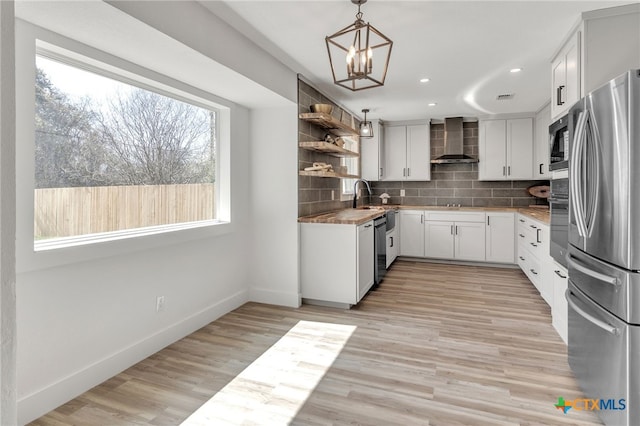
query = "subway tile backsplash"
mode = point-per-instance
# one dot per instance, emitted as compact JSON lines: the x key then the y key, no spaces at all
{"x":449,"y":184}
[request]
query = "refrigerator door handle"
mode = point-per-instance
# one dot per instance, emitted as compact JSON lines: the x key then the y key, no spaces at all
{"x":573,"y":263}
{"x":574,"y":179}
{"x":594,"y":188}
{"x":595,"y":321}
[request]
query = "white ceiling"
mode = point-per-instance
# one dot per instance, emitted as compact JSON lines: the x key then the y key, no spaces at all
{"x":466,"y":48}
{"x":104,"y":27}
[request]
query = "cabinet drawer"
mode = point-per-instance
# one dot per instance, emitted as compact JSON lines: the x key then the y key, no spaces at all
{"x":452,"y":216}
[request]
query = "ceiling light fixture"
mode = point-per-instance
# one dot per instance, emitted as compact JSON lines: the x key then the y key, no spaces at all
{"x":515,"y":70}
{"x":425,"y":80}
{"x":366,"y":128}
{"x":357,"y":43}
{"x":432,"y":104}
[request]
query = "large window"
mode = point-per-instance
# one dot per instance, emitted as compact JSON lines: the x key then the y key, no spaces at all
{"x":112,"y":156}
{"x":352,"y":164}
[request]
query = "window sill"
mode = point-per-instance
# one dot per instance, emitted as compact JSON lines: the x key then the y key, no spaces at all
{"x":80,"y":240}
{"x":63,"y":251}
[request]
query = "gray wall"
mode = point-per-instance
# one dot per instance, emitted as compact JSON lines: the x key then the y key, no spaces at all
{"x":314,"y":193}
{"x":449,"y":184}
{"x":457,"y":183}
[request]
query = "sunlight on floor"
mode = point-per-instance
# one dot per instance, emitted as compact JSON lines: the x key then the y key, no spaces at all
{"x":276,"y":385}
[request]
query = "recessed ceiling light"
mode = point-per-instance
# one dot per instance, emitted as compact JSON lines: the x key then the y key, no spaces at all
{"x":514,"y":70}
{"x":424,"y":80}
{"x":432,"y":104}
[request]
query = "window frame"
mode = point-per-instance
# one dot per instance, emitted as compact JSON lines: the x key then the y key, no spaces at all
{"x":32,"y":40}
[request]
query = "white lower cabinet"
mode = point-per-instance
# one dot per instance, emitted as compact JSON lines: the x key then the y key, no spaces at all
{"x":477,"y":236}
{"x":438,"y":238}
{"x":469,"y":240}
{"x":533,"y":255}
{"x":412,"y":233}
{"x":365,"y":255}
{"x":559,"y":309}
{"x":393,"y":243}
{"x":336,"y":261}
{"x":455,"y":235}
{"x":500,"y":237}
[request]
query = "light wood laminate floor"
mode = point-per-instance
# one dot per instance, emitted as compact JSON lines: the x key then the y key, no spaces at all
{"x":433,"y":345}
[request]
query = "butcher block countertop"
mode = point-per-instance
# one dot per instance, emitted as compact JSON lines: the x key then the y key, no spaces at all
{"x":344,"y":217}
{"x":543,"y":215}
{"x":362,"y":215}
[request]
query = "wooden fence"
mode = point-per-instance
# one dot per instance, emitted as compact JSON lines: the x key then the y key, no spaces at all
{"x":63,"y":212}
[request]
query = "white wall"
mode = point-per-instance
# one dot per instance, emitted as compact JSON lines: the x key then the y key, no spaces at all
{"x":7,"y":217}
{"x":274,"y":183}
{"x":81,"y":319}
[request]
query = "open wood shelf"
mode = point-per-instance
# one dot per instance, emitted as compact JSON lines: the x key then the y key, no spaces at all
{"x":326,"y":174}
{"x":330,"y":123}
{"x":327,"y":148}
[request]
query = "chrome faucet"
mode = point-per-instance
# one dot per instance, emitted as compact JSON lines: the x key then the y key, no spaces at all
{"x":355,"y":192}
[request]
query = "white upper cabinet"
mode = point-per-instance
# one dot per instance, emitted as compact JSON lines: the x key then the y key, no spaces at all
{"x":565,"y":77}
{"x":418,"y":152}
{"x":407,"y":153}
{"x":506,"y":149}
{"x":372,"y":153}
{"x":395,"y":152}
{"x":541,"y":145}
{"x":605,"y":44}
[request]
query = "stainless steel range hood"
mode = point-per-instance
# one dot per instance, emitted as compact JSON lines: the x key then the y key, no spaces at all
{"x":453,"y":148}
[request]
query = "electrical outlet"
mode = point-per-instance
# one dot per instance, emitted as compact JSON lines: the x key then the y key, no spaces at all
{"x":333,"y":195}
{"x":159,"y":303}
{"x":402,"y":192}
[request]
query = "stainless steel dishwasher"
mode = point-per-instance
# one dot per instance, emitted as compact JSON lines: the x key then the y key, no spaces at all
{"x":380,"y":249}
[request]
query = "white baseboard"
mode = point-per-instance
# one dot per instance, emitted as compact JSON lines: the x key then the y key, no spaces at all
{"x":261,"y":295}
{"x":41,"y":402}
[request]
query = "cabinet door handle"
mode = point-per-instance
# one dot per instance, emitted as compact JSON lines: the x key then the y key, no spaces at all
{"x":534,"y":244}
{"x":421,"y":218}
{"x":456,"y":230}
{"x":521,"y":235}
{"x":381,"y":174}
{"x":391,"y":241}
{"x":504,"y":171}
{"x":540,"y":168}
{"x":509,"y":171}
{"x":560,"y":275}
{"x":559,"y":100}
{"x":488,"y":223}
{"x":451,"y":229}
{"x":538,"y":240}
{"x":404,"y":172}
{"x":521,"y":220}
{"x":533,"y":226}
{"x":408,"y":171}
{"x":368,"y":226}
{"x":521,"y":258}
{"x":533,"y":271}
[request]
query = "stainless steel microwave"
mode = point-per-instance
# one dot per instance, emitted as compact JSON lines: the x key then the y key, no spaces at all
{"x":559,"y":144}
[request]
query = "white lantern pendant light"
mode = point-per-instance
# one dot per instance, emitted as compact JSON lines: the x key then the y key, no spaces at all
{"x":366,"y":128}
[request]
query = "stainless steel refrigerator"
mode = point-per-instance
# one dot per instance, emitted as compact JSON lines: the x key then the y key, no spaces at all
{"x":604,"y":248}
